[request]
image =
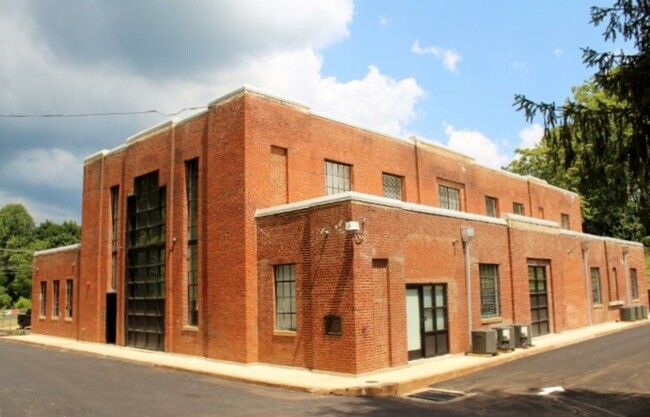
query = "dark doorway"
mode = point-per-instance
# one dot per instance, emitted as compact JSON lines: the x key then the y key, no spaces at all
{"x":146,"y":262}
{"x":538,"y":287}
{"x":111,"y":317}
{"x":427,"y":320}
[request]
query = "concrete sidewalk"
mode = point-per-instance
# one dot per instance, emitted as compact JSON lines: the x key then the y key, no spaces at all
{"x":396,"y":381}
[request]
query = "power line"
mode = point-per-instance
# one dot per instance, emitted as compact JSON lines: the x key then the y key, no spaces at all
{"x":119,"y":113}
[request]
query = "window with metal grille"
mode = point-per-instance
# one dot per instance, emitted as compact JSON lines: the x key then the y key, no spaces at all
{"x":285,"y":297}
{"x":337,"y":178}
{"x":634,"y":284}
{"x":69,"y":286}
{"x":392,"y":186}
{"x":115,"y":192}
{"x":192,"y":184}
{"x":449,"y":197}
{"x":489,"y":276}
{"x":565,"y":221}
{"x":491,"y":206}
{"x":55,"y":298}
{"x":43,"y":309}
{"x":595,"y":286}
{"x":518,"y":208}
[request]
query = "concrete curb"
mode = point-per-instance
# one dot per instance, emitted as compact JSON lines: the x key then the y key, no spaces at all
{"x":403,"y":380}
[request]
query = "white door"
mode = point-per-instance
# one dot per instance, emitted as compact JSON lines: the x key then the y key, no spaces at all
{"x":413,"y":332}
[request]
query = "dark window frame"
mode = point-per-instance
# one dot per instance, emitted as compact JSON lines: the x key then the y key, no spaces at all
{"x":55,"y":298}
{"x":192,"y":202}
{"x":518,"y":208}
{"x":69,"y":298}
{"x":596,"y":291}
{"x":489,"y":286}
{"x":634,"y":284}
{"x":491,"y":206}
{"x":284,"y":278}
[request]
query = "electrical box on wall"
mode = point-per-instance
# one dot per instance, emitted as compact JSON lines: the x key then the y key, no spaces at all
{"x":352,"y":226}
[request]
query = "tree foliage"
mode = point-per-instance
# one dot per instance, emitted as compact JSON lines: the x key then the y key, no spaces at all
{"x":19,"y":239}
{"x":608,"y":137}
{"x":610,"y":193}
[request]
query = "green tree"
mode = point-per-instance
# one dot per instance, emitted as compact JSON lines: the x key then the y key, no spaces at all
{"x":616,"y":129}
{"x":610,"y":194}
{"x":19,"y":239}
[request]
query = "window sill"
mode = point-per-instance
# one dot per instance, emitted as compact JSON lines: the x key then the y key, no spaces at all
{"x":68,"y":319}
{"x":189,"y":328}
{"x":54,"y":318}
{"x":598,"y":306}
{"x":290,"y":333}
{"x":491,"y":320}
{"x":616,"y":303}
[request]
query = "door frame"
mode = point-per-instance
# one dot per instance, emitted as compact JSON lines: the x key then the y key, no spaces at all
{"x":436,"y":341}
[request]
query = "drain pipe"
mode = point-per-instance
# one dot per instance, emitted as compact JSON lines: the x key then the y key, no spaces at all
{"x":628,"y":298}
{"x":585,"y":247}
{"x":467,"y":234}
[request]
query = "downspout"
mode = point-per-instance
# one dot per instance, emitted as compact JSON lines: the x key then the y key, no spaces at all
{"x":467,"y":235}
{"x":628,"y":298}
{"x":417,"y":168}
{"x":585,"y":248}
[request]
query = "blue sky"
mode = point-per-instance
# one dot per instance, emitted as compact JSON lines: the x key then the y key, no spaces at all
{"x":446,"y":71}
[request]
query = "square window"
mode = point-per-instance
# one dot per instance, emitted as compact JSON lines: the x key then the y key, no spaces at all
{"x":392,"y":186}
{"x":491,"y":207}
{"x":337,"y":178}
{"x":449,"y":197}
{"x":518,"y":208}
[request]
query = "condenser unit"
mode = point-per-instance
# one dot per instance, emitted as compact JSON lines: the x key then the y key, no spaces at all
{"x":642,"y":312}
{"x":523,"y":335}
{"x":484,"y":341}
{"x":505,"y":337}
{"x":628,"y":313}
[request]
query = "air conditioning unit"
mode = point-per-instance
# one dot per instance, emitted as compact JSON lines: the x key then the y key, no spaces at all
{"x":484,"y":341}
{"x":642,"y":313}
{"x":628,"y":313}
{"x":523,"y":335}
{"x":505,"y":337}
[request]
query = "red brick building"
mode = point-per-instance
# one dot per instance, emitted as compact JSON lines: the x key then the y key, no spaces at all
{"x":259,"y":231}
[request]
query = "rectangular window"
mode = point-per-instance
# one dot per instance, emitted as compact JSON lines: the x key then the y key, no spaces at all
{"x":115,"y":192}
{"x":69,"y":286}
{"x":518,"y":208}
{"x":43,"y":311}
{"x":565,"y":222}
{"x":634,"y":285}
{"x":285,"y":297}
{"x":392,"y":186}
{"x":192,"y":190}
{"x":449,"y":197}
{"x":55,"y":298}
{"x":595,"y":286}
{"x":491,"y":206}
{"x":337,"y":178}
{"x":279,"y":178}
{"x":489,"y":276}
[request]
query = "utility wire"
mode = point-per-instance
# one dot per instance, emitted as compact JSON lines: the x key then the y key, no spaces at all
{"x":119,"y":113}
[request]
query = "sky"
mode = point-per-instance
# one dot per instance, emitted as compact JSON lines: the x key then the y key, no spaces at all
{"x":445,"y":71}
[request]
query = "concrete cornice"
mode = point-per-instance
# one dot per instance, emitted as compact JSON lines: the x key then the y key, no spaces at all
{"x":57,"y":250}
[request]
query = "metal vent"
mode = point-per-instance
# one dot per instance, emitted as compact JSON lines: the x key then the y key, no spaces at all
{"x":484,"y":341}
{"x":628,"y":313}
{"x":437,"y":396}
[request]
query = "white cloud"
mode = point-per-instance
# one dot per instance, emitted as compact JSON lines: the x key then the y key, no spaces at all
{"x":450,"y":58}
{"x":384,"y":21}
{"x":477,"y":145}
{"x":530,"y":136}
{"x":47,"y":66}
{"x":557,"y":53}
{"x":55,"y":168}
